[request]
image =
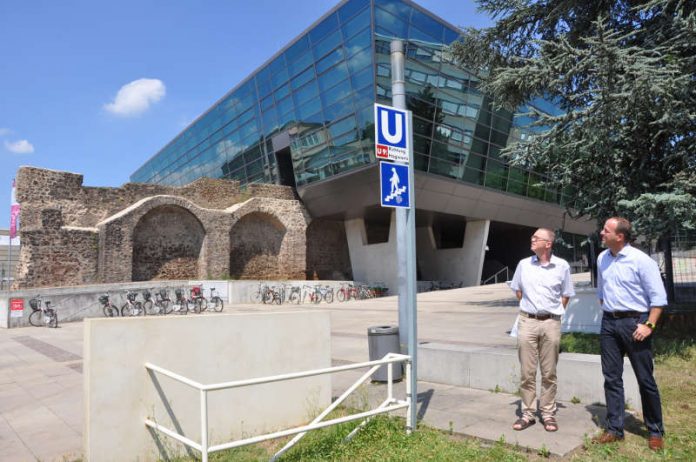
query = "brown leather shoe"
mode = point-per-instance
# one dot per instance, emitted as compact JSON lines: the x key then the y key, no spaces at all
{"x":606,"y":437}
{"x":656,"y":443}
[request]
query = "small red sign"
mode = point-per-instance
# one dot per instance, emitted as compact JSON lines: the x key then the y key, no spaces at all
{"x":16,"y":307}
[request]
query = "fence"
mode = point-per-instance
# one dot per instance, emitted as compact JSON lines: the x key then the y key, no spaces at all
{"x":388,"y":405}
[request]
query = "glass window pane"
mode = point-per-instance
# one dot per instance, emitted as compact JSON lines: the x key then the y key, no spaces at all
{"x":323,"y":28}
{"x":342,"y":126}
{"x":427,"y":25}
{"x":306,"y":93}
{"x":349,"y":9}
{"x":297,"y":48}
{"x":301,"y":63}
{"x":333,"y":76}
{"x":395,"y":7}
{"x":266,"y":103}
{"x":360,"y":61}
{"x":302,"y":79}
{"x":362,"y":78}
{"x":330,"y":60}
{"x":279,"y":77}
{"x":358,"y":42}
{"x":309,"y":108}
{"x":357,"y":23}
{"x":396,"y":27}
{"x":282,"y":92}
{"x":341,"y":90}
{"x":285,"y":105}
{"x":328,"y":44}
{"x":339,"y":109}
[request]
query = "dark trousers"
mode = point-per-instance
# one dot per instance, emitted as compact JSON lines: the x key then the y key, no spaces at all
{"x":616,"y":340}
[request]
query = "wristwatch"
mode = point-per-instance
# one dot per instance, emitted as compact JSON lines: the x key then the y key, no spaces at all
{"x":650,"y":325}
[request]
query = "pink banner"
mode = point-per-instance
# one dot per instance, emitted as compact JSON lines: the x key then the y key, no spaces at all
{"x":14,"y":216}
{"x":14,"y":213}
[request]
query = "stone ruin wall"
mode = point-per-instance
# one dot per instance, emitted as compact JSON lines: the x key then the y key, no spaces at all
{"x":72,"y":234}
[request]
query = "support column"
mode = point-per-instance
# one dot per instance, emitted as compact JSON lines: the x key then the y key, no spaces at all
{"x":474,"y":251}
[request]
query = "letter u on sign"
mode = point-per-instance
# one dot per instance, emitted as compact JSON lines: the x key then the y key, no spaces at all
{"x":391,"y":124}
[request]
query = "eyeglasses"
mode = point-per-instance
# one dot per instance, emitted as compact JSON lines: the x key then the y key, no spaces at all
{"x":534,"y":239}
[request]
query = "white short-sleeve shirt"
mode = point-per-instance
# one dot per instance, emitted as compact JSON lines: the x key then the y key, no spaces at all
{"x":543,"y":286}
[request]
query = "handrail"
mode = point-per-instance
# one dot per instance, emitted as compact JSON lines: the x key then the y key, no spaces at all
{"x":505,"y":269}
{"x":389,"y":405}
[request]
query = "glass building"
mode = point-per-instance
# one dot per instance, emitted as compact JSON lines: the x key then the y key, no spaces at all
{"x":305,"y":119}
{"x":320,"y":91}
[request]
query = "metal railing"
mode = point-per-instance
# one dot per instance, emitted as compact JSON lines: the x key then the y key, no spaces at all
{"x":388,"y":405}
{"x":495,"y":276}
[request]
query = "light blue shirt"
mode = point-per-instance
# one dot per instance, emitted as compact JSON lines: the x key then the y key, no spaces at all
{"x":542,"y":286}
{"x":629,"y":281}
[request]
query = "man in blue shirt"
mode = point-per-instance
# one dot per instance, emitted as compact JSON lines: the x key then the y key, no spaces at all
{"x":632,"y":296}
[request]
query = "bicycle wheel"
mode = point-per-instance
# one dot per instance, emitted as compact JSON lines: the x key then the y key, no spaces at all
{"x":36,"y":318}
{"x":329,"y":296}
{"x":139,"y":308}
{"x":110,"y":311}
{"x":150,"y":308}
{"x":267,"y":297}
{"x":165,"y":307}
{"x":126,"y":310}
{"x":204,"y":303}
{"x":53,"y":320}
{"x":217,"y":304}
{"x":196,"y":305}
{"x":341,"y":295}
{"x":184,"y":307}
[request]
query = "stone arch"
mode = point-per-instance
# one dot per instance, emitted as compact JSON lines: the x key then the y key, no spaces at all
{"x":256,"y":244}
{"x":167,"y":244}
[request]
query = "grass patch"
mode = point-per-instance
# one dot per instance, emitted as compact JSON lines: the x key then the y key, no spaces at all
{"x":384,"y":438}
{"x":666,"y":343}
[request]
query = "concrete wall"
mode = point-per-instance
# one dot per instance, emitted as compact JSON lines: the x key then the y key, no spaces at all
{"x":373,"y":262}
{"x":485,"y":368}
{"x":584,"y":313}
{"x":463,"y":264}
{"x":77,"y":303}
{"x":119,"y":394}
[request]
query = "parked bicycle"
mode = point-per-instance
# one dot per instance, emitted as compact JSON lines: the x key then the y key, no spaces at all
{"x":148,"y":304}
{"x":198,"y":300}
{"x":132,"y":307}
{"x":216,"y":301}
{"x":294,"y":295}
{"x":42,"y":315}
{"x":110,"y":310}
{"x":180,"y":302}
{"x":162,"y":301}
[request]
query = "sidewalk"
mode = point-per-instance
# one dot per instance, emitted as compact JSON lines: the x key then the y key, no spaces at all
{"x":41,"y":376}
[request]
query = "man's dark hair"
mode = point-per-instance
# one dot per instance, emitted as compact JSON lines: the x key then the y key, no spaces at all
{"x":623,"y":226}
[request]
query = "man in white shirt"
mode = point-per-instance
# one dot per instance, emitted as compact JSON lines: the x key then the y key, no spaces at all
{"x":543,"y":287}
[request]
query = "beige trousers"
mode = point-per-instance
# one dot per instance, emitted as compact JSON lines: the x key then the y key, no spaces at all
{"x":538,"y":343}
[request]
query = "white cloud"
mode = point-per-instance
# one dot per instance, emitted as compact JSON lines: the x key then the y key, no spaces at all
{"x":19,"y":147}
{"x":5,"y":131}
{"x":136,"y":97}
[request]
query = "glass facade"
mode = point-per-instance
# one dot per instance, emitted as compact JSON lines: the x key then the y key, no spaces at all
{"x":320,"y":90}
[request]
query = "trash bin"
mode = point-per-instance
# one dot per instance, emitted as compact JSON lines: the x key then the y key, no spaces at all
{"x":382,"y":340}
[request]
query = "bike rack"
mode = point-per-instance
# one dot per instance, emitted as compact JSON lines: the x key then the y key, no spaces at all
{"x":388,"y":405}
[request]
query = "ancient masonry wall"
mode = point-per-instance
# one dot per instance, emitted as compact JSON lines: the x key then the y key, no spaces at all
{"x":72,"y":234}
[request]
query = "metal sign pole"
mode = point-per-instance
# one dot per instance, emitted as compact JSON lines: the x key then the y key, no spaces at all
{"x":406,"y":236}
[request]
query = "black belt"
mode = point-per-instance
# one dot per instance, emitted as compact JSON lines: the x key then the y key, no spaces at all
{"x":540,"y":317}
{"x":623,"y":314}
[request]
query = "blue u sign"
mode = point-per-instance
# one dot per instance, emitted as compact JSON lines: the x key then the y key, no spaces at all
{"x":391,"y":123}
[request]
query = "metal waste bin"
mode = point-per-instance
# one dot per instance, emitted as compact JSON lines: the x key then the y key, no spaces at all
{"x":382,"y":340}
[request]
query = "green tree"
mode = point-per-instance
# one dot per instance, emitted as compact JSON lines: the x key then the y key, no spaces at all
{"x":622,"y":73}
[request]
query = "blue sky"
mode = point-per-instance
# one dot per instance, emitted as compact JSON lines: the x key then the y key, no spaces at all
{"x":97,"y":87}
